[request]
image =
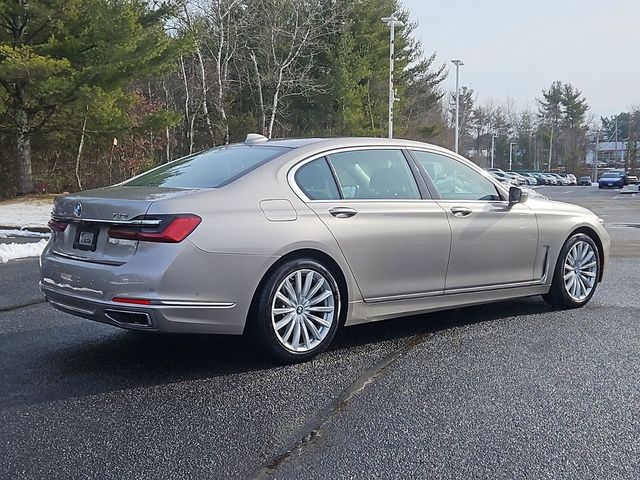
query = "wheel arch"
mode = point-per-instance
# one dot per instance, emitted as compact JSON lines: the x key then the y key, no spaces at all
{"x":593,"y":235}
{"x":325,"y":259}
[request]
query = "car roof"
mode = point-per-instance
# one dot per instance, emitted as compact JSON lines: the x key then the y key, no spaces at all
{"x":337,"y":142}
{"x":292,"y":142}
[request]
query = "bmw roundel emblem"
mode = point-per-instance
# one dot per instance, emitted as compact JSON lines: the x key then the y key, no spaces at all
{"x":77,"y":210}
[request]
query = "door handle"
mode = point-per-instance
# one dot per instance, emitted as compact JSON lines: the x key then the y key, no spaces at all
{"x":461,"y":211}
{"x":343,"y":212}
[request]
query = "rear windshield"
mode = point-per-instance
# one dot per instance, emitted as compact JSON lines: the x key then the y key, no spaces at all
{"x":208,"y":169}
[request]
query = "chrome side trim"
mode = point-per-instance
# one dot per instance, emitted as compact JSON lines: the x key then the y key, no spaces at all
{"x":180,"y":303}
{"x":545,"y":272}
{"x":69,"y":307}
{"x":147,"y":222}
{"x":406,"y":296}
{"x":485,"y":288}
{"x":455,"y":291}
{"x":85,"y":259}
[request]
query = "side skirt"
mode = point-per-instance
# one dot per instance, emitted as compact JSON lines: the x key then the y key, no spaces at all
{"x":363,"y":312}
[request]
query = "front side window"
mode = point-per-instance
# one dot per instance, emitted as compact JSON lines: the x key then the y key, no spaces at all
{"x":454,"y":180}
{"x":208,"y":169}
{"x":316,"y":180}
{"x":374,"y":174}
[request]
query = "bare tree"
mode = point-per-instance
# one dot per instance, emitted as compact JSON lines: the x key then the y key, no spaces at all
{"x":289,"y":35}
{"x":226,"y":22}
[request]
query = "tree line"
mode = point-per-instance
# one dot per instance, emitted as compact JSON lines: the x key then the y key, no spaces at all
{"x":95,"y":91}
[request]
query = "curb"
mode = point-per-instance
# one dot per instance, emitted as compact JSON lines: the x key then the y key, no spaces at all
{"x":27,"y":228}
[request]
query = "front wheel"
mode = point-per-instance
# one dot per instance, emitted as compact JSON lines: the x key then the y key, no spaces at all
{"x":576,"y":273}
{"x":297,"y":311}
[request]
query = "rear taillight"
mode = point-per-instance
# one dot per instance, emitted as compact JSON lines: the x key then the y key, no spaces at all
{"x":133,"y":301}
{"x":57,"y":225}
{"x":167,"y":228}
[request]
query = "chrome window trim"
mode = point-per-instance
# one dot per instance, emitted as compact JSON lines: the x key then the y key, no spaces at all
{"x":435,"y":150}
{"x":298,"y":191}
{"x":468,"y":163}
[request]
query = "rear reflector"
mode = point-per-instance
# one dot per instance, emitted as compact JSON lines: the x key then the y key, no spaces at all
{"x":133,"y":301}
{"x":171,"y":229}
{"x":57,"y":225}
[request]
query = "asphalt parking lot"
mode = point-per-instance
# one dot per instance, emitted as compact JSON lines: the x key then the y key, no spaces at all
{"x":511,"y":390}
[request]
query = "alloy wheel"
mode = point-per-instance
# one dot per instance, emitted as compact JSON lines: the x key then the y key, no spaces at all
{"x":303,"y":310}
{"x":580,"y":271}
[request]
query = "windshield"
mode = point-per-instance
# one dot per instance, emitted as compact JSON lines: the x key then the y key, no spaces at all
{"x":611,"y":175}
{"x":208,"y":169}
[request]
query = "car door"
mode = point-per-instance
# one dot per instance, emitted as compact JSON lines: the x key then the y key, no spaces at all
{"x":493,"y":243}
{"x":395,"y":242}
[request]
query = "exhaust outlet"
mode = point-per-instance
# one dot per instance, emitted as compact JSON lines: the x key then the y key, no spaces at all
{"x":128,"y":318}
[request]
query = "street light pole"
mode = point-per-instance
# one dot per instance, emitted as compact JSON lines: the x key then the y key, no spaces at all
{"x":595,"y":163}
{"x":392,"y":22}
{"x":493,"y":148}
{"x":458,"y":64}
{"x":510,"y":155}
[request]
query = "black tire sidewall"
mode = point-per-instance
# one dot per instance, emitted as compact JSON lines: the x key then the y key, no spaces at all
{"x":265,"y":333}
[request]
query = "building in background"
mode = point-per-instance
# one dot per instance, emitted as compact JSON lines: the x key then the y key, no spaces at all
{"x":610,"y":154}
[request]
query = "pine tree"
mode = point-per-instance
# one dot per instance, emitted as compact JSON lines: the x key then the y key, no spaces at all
{"x":52,"y":51}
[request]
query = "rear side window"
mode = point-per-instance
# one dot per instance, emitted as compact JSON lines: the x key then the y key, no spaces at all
{"x":208,"y":169}
{"x":374,"y":174}
{"x":316,"y":180}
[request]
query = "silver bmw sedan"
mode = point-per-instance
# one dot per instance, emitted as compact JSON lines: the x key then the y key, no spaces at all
{"x":288,"y":240}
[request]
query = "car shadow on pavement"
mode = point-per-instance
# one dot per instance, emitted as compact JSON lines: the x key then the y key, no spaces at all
{"x":432,"y":323}
{"x":87,"y":362}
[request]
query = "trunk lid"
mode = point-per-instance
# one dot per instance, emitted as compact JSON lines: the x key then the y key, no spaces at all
{"x":90,"y":214}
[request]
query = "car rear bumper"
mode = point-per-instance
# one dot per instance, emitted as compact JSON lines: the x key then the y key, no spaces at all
{"x":614,"y":185}
{"x":187,"y":290}
{"x":221,"y":318}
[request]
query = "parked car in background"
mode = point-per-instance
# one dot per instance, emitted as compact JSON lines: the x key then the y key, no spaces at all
{"x":570,"y":177}
{"x":503,"y":177}
{"x":585,"y":181}
{"x":611,"y":179}
{"x":541,"y":178}
{"x":522,"y":178}
{"x":537,"y":180}
{"x":552,"y":179}
{"x":519,"y":179}
{"x":622,"y":172}
{"x":282,"y":239}
{"x":632,"y":179}
{"x":561,"y":180}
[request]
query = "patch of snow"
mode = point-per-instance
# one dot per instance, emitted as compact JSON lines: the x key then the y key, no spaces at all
{"x":12,"y":251}
{"x":23,"y":233}
{"x":22,"y":213}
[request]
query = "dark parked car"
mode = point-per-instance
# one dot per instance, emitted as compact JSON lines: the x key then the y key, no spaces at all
{"x":611,"y":180}
{"x":586,"y":180}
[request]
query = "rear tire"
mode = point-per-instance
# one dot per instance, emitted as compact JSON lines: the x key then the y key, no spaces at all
{"x":297,"y":311}
{"x":576,"y":273}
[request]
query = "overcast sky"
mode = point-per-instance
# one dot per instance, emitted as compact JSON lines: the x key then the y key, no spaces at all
{"x":516,"y":48}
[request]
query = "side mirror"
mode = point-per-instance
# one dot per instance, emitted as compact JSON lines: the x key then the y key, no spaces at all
{"x":517,"y":195}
